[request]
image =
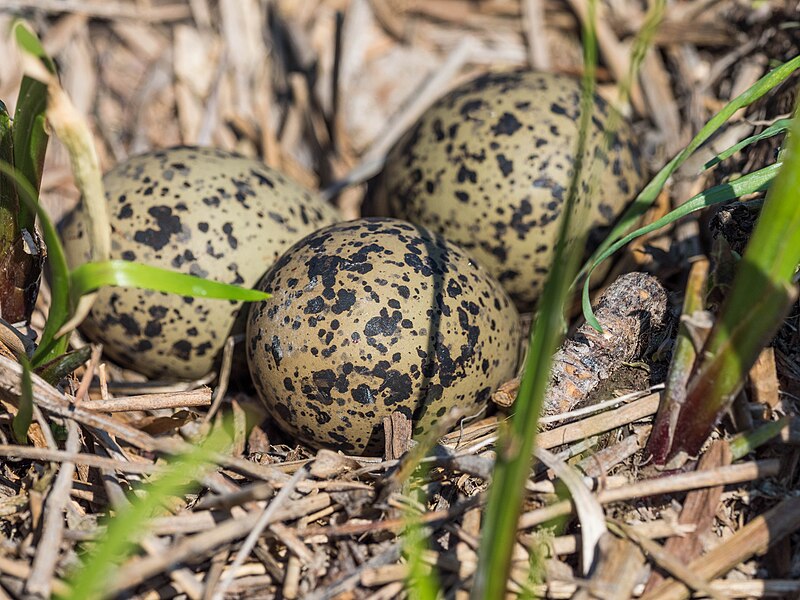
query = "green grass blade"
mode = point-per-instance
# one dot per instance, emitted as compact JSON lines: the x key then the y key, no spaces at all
{"x":89,"y":277}
{"x":49,"y":347}
{"x":9,"y":203}
{"x":649,"y":194}
{"x":748,"y":441}
{"x":757,"y":181}
{"x":30,"y":135}
{"x":130,"y":524}
{"x":762,"y":293}
{"x":24,"y":417}
{"x":643,"y":42}
{"x":30,"y":43}
{"x":516,"y":440}
{"x":61,"y":366}
{"x":422,"y":581}
{"x":777,"y":127}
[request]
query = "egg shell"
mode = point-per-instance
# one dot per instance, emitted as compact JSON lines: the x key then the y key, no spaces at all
{"x":489,"y":167}
{"x":199,"y":211}
{"x":374,"y":316}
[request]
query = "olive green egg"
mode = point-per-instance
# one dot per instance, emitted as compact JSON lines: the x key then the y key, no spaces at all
{"x":374,"y":316}
{"x":489,"y":167}
{"x":192,"y":210}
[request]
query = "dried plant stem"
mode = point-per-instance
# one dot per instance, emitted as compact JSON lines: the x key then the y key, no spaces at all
{"x":263,"y":520}
{"x":90,"y":460}
{"x":22,"y":570}
{"x":105,"y":10}
{"x":677,"y":483}
{"x":200,"y":397}
{"x":138,"y":570}
{"x":40,"y":580}
{"x":681,"y":367}
{"x":755,"y":537}
{"x":623,"y":415}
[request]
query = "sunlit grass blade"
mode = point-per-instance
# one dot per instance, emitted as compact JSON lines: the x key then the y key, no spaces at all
{"x":129,"y":525}
{"x":30,"y":135}
{"x":776,"y":128}
{"x":422,"y":581}
{"x":49,"y":347}
{"x":516,"y":440}
{"x":24,"y":417}
{"x":649,"y":194}
{"x":762,"y":293}
{"x":757,"y":181}
{"x":89,"y":277}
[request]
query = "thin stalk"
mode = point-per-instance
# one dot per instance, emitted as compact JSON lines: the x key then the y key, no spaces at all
{"x":24,"y":417}
{"x":680,"y":368}
{"x":9,"y":203}
{"x":650,"y":192}
{"x":30,"y":134}
{"x":49,"y":347}
{"x":762,"y":293}
{"x":516,"y":440}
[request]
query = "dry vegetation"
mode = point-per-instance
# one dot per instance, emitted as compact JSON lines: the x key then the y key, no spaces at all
{"x":321,"y":89}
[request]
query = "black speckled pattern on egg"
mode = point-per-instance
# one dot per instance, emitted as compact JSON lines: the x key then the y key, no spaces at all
{"x":488,"y":166}
{"x":374,"y":316}
{"x":193,"y":210}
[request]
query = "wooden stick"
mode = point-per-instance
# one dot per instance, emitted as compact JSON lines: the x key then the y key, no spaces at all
{"x":199,"y":397}
{"x":140,"y":569}
{"x":533,"y":25}
{"x":92,"y":460}
{"x":653,"y":487}
{"x":754,"y":538}
{"x":598,"y":424}
{"x":53,"y":401}
{"x":40,"y":580}
{"x":105,"y":10}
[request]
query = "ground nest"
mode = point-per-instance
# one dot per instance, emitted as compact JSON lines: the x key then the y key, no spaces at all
{"x":321,"y":90}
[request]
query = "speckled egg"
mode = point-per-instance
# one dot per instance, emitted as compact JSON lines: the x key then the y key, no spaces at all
{"x":375,"y":316}
{"x":193,"y":210}
{"x":488,"y":166}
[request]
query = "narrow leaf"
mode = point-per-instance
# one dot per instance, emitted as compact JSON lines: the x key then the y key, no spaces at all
{"x":649,"y":194}
{"x":30,"y":135}
{"x":58,"y":368}
{"x":131,"y":522}
{"x":48,"y":347}
{"x":515,"y":442}
{"x":89,"y":277}
{"x":24,"y":417}
{"x":777,"y":127}
{"x":29,"y":42}
{"x":762,"y":293}
{"x":758,"y":181}
{"x":748,"y":441}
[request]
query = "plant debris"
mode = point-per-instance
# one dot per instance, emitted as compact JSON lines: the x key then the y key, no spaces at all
{"x":321,"y":90}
